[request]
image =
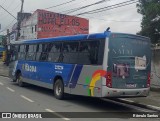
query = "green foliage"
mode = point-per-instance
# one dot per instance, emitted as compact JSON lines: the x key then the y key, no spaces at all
{"x":4,"y":41}
{"x":150,"y":10}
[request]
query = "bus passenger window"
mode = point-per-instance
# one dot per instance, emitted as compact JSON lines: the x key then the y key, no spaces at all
{"x":54,"y":52}
{"x":30,"y":53}
{"x":38,"y":51}
{"x":43,"y":54}
{"x":21,"y":54}
{"x":15,"y":49}
{"x":70,"y":52}
{"x":91,"y":52}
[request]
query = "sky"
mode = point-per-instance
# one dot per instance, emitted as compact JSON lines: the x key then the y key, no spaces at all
{"x":124,"y":19}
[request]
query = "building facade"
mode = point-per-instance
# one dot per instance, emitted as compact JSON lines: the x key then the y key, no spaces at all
{"x":45,"y":24}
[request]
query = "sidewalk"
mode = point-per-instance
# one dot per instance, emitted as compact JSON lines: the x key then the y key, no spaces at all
{"x":152,"y":101}
{"x":4,"y":70}
{"x":155,"y":76}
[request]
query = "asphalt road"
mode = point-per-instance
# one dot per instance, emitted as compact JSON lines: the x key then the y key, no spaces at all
{"x":36,"y":99}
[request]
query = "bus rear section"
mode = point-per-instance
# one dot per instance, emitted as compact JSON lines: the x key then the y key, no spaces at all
{"x":128,"y":65}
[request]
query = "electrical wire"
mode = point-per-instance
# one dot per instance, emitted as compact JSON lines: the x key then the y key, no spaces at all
{"x":97,"y":10}
{"x":113,"y":7}
{"x":2,"y":17}
{"x":10,"y":4}
{"x":9,"y":25}
{"x":3,"y":4}
{"x":110,"y":20}
{"x":131,"y":9}
{"x":109,"y":7}
{"x":74,"y":4}
{"x":7,"y":7}
{"x":60,"y":4}
{"x":76,"y":9}
{"x":8,"y":12}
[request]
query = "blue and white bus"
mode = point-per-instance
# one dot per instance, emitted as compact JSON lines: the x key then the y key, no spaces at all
{"x":99,"y":65}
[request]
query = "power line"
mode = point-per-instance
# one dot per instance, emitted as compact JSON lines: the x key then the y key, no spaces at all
{"x":3,"y":3}
{"x":74,"y":4}
{"x":115,"y":12}
{"x":103,"y":9}
{"x":110,"y":20}
{"x":8,"y":7}
{"x":2,"y":17}
{"x":8,"y":12}
{"x":114,"y":7}
{"x":60,"y":4}
{"x":9,"y":25}
{"x":109,"y":7}
{"x":76,"y":9}
{"x":10,"y":3}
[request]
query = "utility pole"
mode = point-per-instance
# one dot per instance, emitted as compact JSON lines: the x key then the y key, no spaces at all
{"x":19,"y":21}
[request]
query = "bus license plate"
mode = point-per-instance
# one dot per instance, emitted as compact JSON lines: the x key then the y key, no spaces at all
{"x":131,"y":85}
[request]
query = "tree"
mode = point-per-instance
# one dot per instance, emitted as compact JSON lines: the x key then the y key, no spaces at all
{"x":150,"y":25}
{"x":4,"y":41}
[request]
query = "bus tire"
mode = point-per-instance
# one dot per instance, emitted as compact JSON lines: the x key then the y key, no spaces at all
{"x":19,"y":80}
{"x":59,"y":89}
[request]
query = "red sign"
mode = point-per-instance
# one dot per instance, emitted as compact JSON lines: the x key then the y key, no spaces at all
{"x":52,"y":24}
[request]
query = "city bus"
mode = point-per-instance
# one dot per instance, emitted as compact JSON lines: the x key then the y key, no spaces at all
{"x":104,"y":64}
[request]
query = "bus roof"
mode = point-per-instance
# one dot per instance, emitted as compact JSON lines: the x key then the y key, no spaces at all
{"x":66,"y":38}
{"x":129,"y":35}
{"x":80,"y":37}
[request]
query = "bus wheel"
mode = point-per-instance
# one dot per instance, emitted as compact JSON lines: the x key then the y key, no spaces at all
{"x":19,"y":80}
{"x":59,"y":89}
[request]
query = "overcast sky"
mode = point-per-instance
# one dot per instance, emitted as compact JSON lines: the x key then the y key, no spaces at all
{"x":124,"y":19}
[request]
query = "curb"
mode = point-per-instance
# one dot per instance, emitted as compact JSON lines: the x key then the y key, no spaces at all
{"x":150,"y":107}
{"x":155,"y":89}
{"x":3,"y":75}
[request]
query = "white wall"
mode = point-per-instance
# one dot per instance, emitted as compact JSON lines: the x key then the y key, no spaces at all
{"x":26,"y":27}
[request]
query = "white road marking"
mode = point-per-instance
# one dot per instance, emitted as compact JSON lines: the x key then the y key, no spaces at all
{"x":49,"y":110}
{"x":10,"y":89}
{"x":127,"y":100}
{"x":1,"y":83}
{"x":26,"y":98}
{"x":154,"y":106}
{"x":59,"y":115}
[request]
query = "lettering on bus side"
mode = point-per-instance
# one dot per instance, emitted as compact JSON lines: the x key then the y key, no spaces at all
{"x":58,"y":67}
{"x":29,"y":68}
